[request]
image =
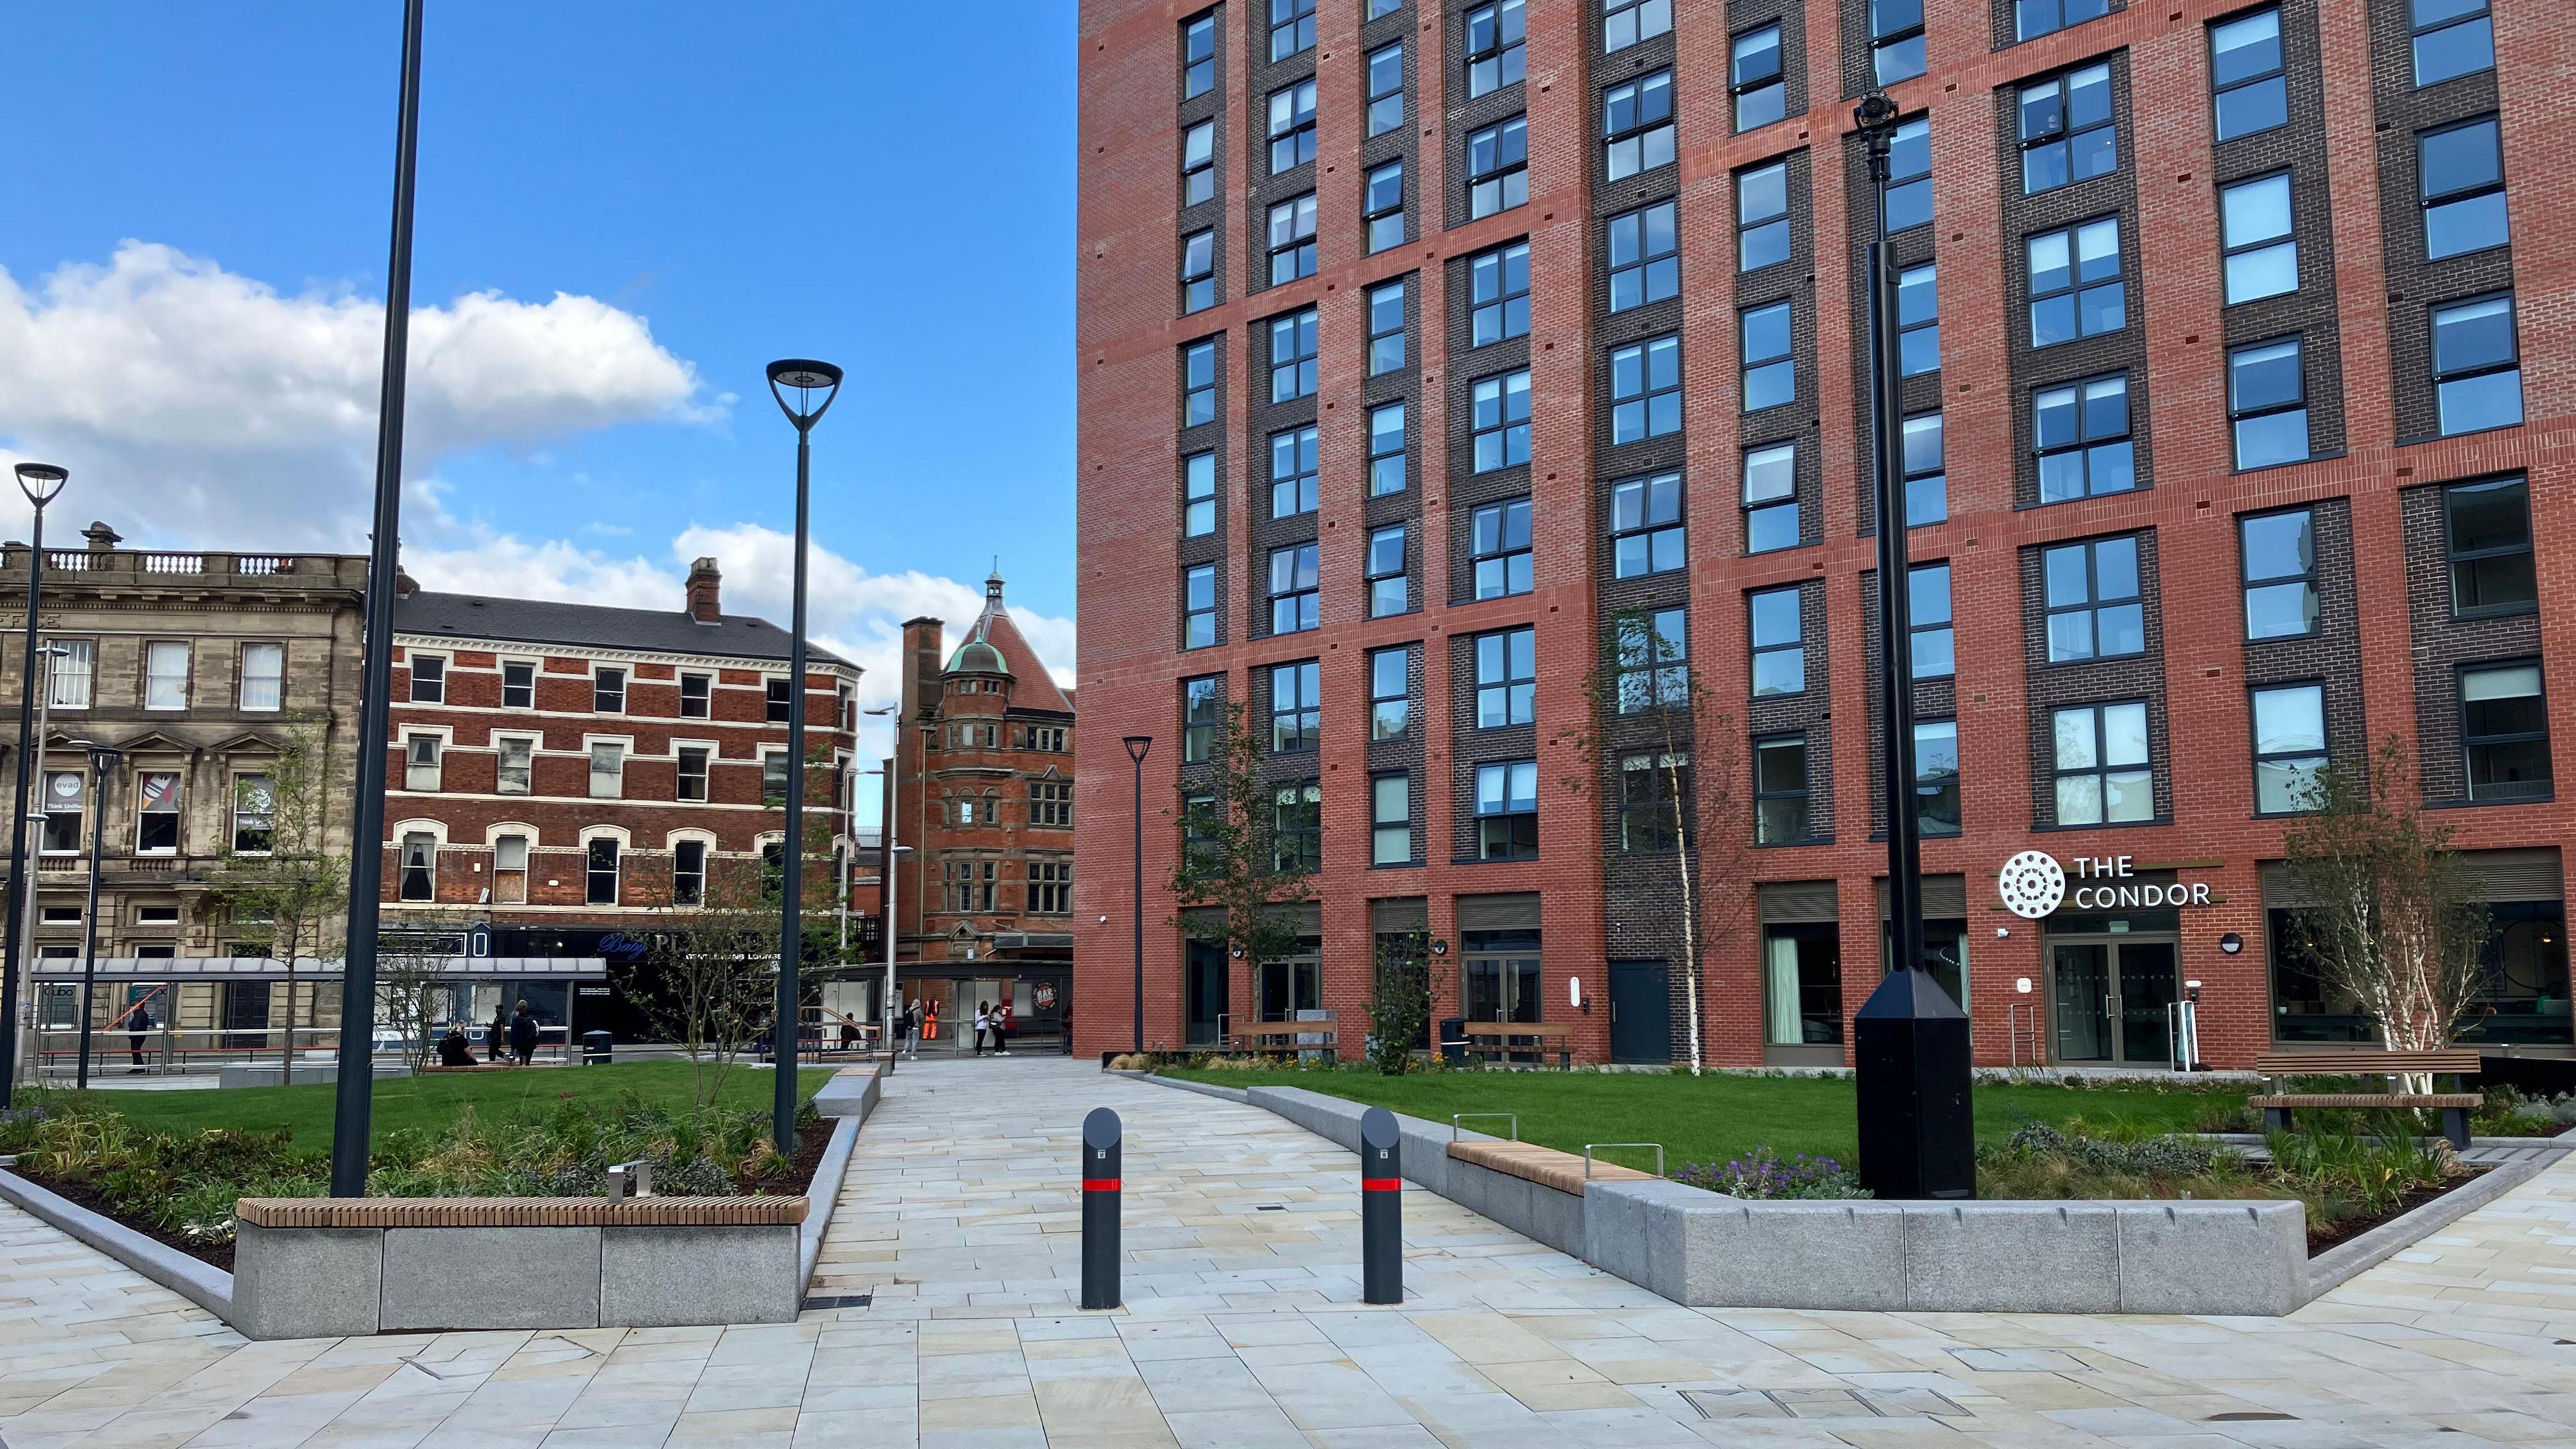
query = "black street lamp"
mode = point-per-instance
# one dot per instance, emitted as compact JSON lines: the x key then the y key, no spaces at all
{"x":815,"y":384}
{"x":102,"y":758}
{"x":40,"y":482}
{"x":1910,"y":1053}
{"x":1138,"y":746}
{"x":353,"y":1099}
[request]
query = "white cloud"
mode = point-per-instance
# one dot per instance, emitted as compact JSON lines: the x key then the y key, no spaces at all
{"x":172,"y":387}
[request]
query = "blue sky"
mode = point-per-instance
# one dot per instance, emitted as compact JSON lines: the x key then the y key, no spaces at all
{"x":193,"y":214}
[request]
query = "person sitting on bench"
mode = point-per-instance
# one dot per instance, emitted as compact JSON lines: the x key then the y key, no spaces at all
{"x":453,"y":1050}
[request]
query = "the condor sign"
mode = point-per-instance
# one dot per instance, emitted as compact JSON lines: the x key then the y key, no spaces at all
{"x":2034,"y":885}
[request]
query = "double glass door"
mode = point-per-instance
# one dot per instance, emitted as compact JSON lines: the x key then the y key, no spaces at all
{"x":2111,"y":998}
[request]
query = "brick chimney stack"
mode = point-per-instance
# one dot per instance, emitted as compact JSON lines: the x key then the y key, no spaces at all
{"x":705,"y":588}
{"x":921,"y":660}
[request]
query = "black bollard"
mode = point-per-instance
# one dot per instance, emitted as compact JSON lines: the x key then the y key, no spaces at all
{"x":1101,"y":1154}
{"x":1381,"y":1208}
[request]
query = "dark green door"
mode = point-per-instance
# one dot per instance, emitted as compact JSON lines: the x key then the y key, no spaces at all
{"x":1641,"y":1012}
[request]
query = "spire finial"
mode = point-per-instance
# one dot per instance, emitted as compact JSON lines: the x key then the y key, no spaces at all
{"x":993,"y":583}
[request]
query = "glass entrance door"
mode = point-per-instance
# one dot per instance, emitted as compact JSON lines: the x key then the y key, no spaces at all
{"x":2110,"y":999}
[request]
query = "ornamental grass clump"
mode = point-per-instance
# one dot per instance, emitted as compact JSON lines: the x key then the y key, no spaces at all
{"x":1763,"y":1173}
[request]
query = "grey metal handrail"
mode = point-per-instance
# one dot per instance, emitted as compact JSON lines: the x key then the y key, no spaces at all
{"x":1457,"y":1117}
{"x":1587,"y":1155}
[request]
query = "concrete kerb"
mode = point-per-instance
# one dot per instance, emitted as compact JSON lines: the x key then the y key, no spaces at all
{"x":823,"y":1192}
{"x":200,"y":1282}
{"x":2332,"y":1267}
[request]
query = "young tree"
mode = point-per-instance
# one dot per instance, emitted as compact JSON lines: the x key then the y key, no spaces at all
{"x":708,"y":977}
{"x":1653,"y":746}
{"x":280,"y":880}
{"x":412,"y":981}
{"x":1246,"y":878}
{"x":2398,"y":925}
{"x":1400,"y":1001}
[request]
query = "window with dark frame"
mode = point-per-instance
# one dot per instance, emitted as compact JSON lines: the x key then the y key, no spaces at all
{"x":2460,"y":173}
{"x":1295,"y":603}
{"x":2504,"y":731}
{"x":1927,"y":478}
{"x":1297,"y":827}
{"x":1198,"y":163}
{"x":2035,"y":18}
{"x":2477,"y":365}
{"x":1385,"y":88}
{"x":600,"y":875}
{"x":688,"y":872}
{"x":1387,"y":592}
{"x":156,"y":813}
{"x":1646,"y":389}
{"x":1895,"y":40}
{"x":1292,"y":126}
{"x":1050,"y":887}
{"x":1292,"y":239}
{"x":1497,"y":54}
{"x":419,"y":866}
{"x":1754,"y":78}
{"x":1507,"y":811}
{"x":2258,"y":238}
{"x":1385,"y":328}
{"x":1390,"y":693}
{"x":1625,"y":22}
{"x":1198,"y":607}
{"x":2101,"y":764}
{"x":1909,"y":176}
{"x":781,"y":700}
{"x":1386,"y":449}
{"x":2076,"y":289}
{"x":2278,"y":557}
{"x":1936,"y":776}
{"x":66,"y":802}
{"x":1645,"y":256}
{"x":1653,"y":663}
{"x":1198,"y":270}
{"x":1382,"y":206}
{"x":2094,"y":608}
{"x":2066,"y":129}
{"x":1501,"y":420}
{"x":1498,"y":288}
{"x":2486,"y":536}
{"x":1293,"y":367}
{"x":1294,"y":477}
{"x":1296,"y":708}
{"x":1771,"y":519}
{"x":1506,"y":678}
{"x":2451,"y":38}
{"x":608,"y":691}
{"x":1637,"y":125}
{"x":1499,"y":549}
{"x":1779,"y":642}
{"x":2248,"y":88}
{"x":2289,"y":747}
{"x":1652,"y":813}
{"x":1498,"y":167}
{"x":2081,"y":435}
{"x":1931,"y":651}
{"x":1292,"y":28}
{"x":1770,"y":370}
{"x":1198,"y":494}
{"x":2267,"y":404}
{"x":1198,"y":56}
{"x":1391,"y":818}
{"x":1780,"y":790}
{"x":1918,"y":321}
{"x":1202,"y":718}
{"x":1646,"y":530}
{"x":1762,"y":217}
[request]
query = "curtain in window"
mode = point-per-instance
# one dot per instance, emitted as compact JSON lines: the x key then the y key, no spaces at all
{"x":1780,"y":966}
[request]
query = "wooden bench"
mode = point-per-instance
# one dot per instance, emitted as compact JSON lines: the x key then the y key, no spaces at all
{"x":1494,"y":1040}
{"x":2277,"y":1105}
{"x":1288,"y":1036}
{"x":1544,"y":1165}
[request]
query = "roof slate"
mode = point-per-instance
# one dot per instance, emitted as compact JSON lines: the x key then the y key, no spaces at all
{"x":595,"y":626}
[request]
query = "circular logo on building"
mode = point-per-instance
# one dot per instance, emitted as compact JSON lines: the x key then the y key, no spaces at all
{"x":2032,"y":884}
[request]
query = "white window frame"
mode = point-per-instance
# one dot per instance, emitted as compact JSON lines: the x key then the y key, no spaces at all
{"x":416,"y":768}
{"x":536,"y":670}
{"x":591,"y":745}
{"x":187,"y":668}
{"x":625,"y":686}
{"x":413,"y":659}
{"x":500,"y":756}
{"x":56,"y":676}
{"x":706,"y":781}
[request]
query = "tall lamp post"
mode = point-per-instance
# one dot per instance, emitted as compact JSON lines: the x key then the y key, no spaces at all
{"x":353,"y":1100}
{"x":40,"y":482}
{"x":1911,"y":1048}
{"x":1138,"y":746}
{"x":102,"y":758}
{"x":22,"y":971}
{"x":814,"y":384}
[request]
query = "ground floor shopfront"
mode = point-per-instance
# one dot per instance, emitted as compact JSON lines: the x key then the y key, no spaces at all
{"x":2081,"y":963}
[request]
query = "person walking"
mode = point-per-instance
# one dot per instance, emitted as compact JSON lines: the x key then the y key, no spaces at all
{"x":138,"y":1023}
{"x":1002,"y":1027}
{"x":497,"y":1035}
{"x":523,"y":1034}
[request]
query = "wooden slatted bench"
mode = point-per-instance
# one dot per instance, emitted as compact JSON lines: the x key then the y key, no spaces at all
{"x":1543,"y":1165}
{"x":2277,"y":1105}
{"x":1494,"y":1040}
{"x":1274,"y":1036}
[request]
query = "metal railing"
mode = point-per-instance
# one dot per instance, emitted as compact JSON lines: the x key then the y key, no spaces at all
{"x":166,"y":1050}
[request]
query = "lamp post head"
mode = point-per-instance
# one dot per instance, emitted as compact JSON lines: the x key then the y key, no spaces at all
{"x":41,"y":481}
{"x":815,"y":384}
{"x":1875,"y":112}
{"x":1137,"y":746}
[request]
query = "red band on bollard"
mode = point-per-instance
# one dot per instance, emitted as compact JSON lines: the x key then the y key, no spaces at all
{"x":1100,"y":1184}
{"x":1381,"y":1184}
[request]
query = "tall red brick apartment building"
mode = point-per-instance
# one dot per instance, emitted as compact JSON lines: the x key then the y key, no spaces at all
{"x":1418,"y":336}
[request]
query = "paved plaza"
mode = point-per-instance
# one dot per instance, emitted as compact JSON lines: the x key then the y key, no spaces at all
{"x":959,"y":1222}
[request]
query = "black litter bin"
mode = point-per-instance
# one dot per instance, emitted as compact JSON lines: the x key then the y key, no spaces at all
{"x":594,"y":1048}
{"x":1453,"y":1040}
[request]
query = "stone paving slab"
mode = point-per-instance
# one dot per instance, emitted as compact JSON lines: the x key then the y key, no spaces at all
{"x":1242,"y":1327}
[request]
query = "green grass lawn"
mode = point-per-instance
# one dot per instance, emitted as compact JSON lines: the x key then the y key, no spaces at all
{"x":428,"y":1101}
{"x":1715,"y":1116}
